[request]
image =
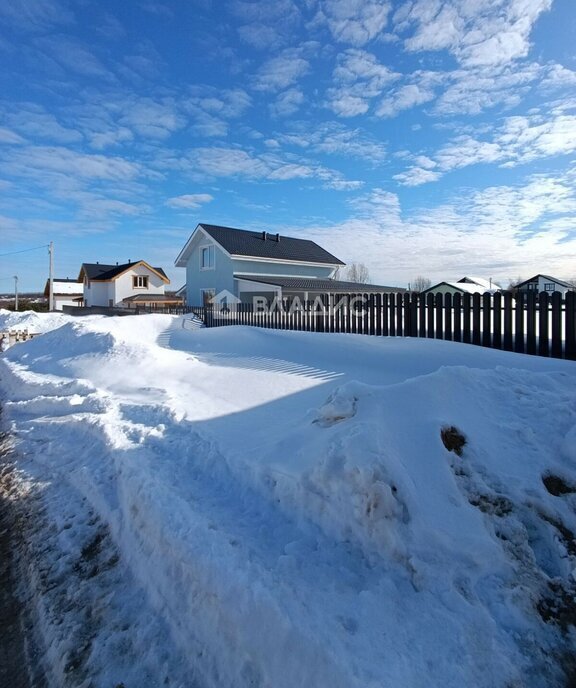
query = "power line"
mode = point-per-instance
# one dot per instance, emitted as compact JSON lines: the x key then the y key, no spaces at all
{"x":24,"y":250}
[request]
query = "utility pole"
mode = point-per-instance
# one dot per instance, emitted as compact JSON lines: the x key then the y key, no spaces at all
{"x":51,"y":277}
{"x":15,"y":292}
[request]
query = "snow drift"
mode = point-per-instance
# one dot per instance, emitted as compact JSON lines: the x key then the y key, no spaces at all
{"x":243,"y":507}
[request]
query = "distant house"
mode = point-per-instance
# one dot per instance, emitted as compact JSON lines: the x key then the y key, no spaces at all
{"x":540,"y":283}
{"x":487,"y":285}
{"x":225,"y":263}
{"x":181,"y":293}
{"x":466,"y":285}
{"x":127,"y":286}
{"x":65,"y":292}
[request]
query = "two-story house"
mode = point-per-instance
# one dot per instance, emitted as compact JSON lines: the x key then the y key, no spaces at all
{"x":540,"y":283}
{"x":242,"y":264}
{"x":126,"y":285}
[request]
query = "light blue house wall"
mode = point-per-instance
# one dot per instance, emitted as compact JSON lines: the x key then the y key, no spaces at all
{"x":257,"y":267}
{"x":219,"y":278}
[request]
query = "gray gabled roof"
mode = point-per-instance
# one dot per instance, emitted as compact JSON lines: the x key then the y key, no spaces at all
{"x":546,"y":277}
{"x":241,"y":242}
{"x":323,"y":285}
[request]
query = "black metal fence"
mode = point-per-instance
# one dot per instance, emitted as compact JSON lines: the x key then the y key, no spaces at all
{"x":540,"y":324}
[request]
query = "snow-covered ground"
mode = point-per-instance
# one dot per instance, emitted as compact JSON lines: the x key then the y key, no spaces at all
{"x":238,"y":507}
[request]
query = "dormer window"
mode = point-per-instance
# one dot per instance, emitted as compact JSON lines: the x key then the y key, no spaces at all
{"x":207,"y":258}
{"x":140,"y":282}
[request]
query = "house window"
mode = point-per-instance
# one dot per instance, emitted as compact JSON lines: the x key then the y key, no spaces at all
{"x":207,"y":295}
{"x":140,"y":281}
{"x":207,"y":258}
{"x":548,"y":286}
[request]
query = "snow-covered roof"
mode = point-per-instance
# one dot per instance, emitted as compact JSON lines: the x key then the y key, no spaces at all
{"x":64,"y":287}
{"x":480,"y":281}
{"x":464,"y":287}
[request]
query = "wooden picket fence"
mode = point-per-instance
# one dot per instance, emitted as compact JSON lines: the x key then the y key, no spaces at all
{"x":539,"y":324}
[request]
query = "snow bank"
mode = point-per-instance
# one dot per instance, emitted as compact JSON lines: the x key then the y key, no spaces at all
{"x":281,"y":510}
{"x":31,"y":321}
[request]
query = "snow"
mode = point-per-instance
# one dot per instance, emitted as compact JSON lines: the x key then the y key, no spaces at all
{"x":31,"y":321}
{"x":246,"y":507}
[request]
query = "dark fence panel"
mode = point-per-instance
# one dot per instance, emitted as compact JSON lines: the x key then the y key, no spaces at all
{"x":531,"y":323}
{"x":570,"y":326}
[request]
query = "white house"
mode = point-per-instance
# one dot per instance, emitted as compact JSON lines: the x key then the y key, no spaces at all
{"x":465,"y":285}
{"x":126,"y":286}
{"x":540,"y":283}
{"x":65,"y":292}
{"x":242,"y":265}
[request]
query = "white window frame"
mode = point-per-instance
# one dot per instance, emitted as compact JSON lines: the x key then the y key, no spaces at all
{"x":136,"y":279}
{"x":211,"y":252}
{"x":549,"y":286}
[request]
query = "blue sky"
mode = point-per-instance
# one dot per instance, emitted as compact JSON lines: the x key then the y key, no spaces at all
{"x":420,"y":137}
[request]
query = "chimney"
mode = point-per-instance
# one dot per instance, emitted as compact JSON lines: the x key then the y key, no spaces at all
{"x":263,"y":236}
{"x":278,"y":238}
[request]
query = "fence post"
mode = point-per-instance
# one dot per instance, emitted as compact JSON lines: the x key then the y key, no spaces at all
{"x":448,"y":316}
{"x":413,"y":305}
{"x":421,"y":315}
{"x":439,"y":308}
{"x":378,"y":314}
{"x":384,"y":315}
{"x":543,"y":328}
{"x":570,"y":325}
{"x":497,"y":321}
{"x":519,"y":323}
{"x":507,"y":321}
{"x":399,"y":316}
{"x":487,"y":319}
{"x":466,"y":318}
{"x":476,"y":319}
{"x":430,"y":315}
{"x":457,"y":305}
{"x":530,"y":322}
{"x":556,"y":351}
{"x":366,"y":303}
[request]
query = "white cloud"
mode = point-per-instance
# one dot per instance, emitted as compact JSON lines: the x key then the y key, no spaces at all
{"x":287,"y":103}
{"x":33,"y":15}
{"x":333,"y":138}
{"x":35,"y":161}
{"x":291,"y":171}
{"x":35,"y":123}
{"x":156,"y":119}
{"x":497,"y":232}
{"x":358,"y":78}
{"x":266,"y":24}
{"x":404,"y":98}
{"x":479,"y":33}
{"x":111,"y":137}
{"x":356,"y":22}
{"x":470,"y":91}
{"x":415,"y":176}
{"x":7,"y":136}
{"x":519,"y":140}
{"x":191,"y":201}
{"x":74,"y":56}
{"x":281,"y":72}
